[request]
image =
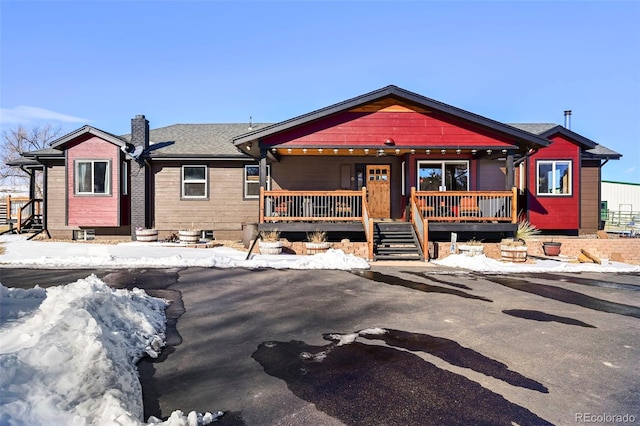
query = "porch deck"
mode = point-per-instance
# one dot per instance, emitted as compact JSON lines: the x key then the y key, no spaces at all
{"x":429,"y":212}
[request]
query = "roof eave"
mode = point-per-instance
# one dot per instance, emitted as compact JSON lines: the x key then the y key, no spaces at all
{"x":392,"y":91}
{"x":587,"y":143}
{"x":60,"y":142}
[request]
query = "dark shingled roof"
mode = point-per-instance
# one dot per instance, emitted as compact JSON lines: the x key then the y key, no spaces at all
{"x":591,"y":149}
{"x":201,"y":140}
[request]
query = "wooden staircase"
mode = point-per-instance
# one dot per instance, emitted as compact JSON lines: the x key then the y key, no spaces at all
{"x":396,"y":241}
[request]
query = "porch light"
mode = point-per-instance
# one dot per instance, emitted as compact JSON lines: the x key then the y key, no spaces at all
{"x":289,"y":150}
{"x":381,"y":153}
{"x":390,"y":142}
{"x":474,"y":151}
{"x":504,"y":151}
{"x":304,"y":150}
{"x":489,"y":152}
{"x":397,"y":151}
{"x":274,"y":150}
{"x":350,"y":150}
{"x":366,"y":151}
{"x":335,"y":150}
{"x":443,"y":151}
{"x":458,"y":151}
{"x":413,"y":151}
{"x":249,"y":146}
{"x":320,"y":150}
{"x":427,"y":151}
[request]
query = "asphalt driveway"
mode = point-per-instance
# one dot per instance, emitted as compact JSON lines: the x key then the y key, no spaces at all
{"x":264,"y":346}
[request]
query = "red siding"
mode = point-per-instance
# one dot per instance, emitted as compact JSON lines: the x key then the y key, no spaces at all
{"x":557,"y":211}
{"x":93,"y":210}
{"x":409,"y":128}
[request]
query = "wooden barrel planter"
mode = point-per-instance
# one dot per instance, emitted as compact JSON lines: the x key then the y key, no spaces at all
{"x":146,"y":235}
{"x":270,"y":247}
{"x":189,"y":236}
{"x":315,"y":248}
{"x":470,"y":249}
{"x":513,"y":253}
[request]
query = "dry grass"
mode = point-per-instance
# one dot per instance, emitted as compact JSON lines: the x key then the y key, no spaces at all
{"x":317,"y":237}
{"x":1,"y":249}
{"x":237,"y":245}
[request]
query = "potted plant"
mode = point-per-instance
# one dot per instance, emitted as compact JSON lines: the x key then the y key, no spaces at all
{"x":270,"y":242}
{"x":515,"y":249}
{"x":317,"y":242}
{"x":189,"y":236}
{"x":146,"y":235}
{"x":471,"y":248}
{"x":551,"y":248}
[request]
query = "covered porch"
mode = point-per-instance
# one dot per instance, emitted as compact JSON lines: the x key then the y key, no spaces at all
{"x":347,"y":211}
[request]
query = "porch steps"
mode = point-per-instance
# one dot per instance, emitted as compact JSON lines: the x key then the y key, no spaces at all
{"x":395,"y":241}
{"x":32,"y":227}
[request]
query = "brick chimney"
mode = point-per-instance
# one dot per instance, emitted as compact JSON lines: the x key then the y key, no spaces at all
{"x":140,"y":178}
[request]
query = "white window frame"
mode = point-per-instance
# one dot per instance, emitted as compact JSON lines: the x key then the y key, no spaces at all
{"x":443,"y":164}
{"x":246,"y":180}
{"x":554,"y":176}
{"x":184,"y":181}
{"x":107,"y":178}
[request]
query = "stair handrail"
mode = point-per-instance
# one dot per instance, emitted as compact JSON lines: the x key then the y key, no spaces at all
{"x":34,"y":206}
{"x":419,"y":223}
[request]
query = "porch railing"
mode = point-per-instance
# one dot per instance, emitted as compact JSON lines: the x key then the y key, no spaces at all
{"x":420,"y":224}
{"x":475,"y":206}
{"x":330,"y":206}
{"x":13,"y":206}
{"x":21,"y":210}
{"x":28,"y":212}
{"x":367,"y":223}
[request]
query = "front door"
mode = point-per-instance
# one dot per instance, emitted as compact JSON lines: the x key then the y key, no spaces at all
{"x":378,"y":182}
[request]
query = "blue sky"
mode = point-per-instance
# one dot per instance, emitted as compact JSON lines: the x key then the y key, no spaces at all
{"x":101,"y":63}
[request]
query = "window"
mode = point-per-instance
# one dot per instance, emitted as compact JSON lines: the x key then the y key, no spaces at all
{"x":554,"y":178}
{"x":92,"y":177}
{"x":194,"y":181}
{"x":252,"y":181}
{"x":125,"y":178}
{"x":443,"y":176}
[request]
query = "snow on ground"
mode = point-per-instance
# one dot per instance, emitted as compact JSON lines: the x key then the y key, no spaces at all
{"x":20,"y":253}
{"x":68,"y":353}
{"x":481,"y":263}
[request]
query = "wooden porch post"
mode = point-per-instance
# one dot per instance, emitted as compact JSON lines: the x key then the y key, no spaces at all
{"x":263,"y":167}
{"x":261,"y":204}
{"x":514,"y":204}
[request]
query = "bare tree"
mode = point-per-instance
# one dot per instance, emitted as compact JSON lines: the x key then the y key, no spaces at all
{"x":16,"y":141}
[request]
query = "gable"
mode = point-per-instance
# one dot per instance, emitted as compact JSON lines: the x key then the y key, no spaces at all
{"x":410,"y":127}
{"x":392,"y":99}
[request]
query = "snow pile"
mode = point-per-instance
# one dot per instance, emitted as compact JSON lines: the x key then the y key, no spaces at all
{"x":68,"y":354}
{"x":481,"y":263}
{"x":20,"y":253}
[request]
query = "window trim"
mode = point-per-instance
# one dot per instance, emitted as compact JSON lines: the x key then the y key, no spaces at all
{"x":553,"y":164}
{"x":183,"y":181}
{"x":107,"y":184}
{"x":245,"y":181}
{"x":442,"y":164}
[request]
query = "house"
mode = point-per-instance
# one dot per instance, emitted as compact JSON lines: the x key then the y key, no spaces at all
{"x":394,"y":167}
